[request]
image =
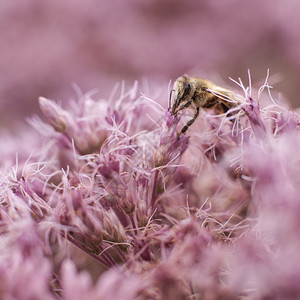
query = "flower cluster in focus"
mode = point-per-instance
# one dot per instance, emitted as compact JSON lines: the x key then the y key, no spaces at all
{"x":112,"y":203}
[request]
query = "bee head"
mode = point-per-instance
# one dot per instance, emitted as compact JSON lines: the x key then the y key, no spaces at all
{"x":184,"y":91}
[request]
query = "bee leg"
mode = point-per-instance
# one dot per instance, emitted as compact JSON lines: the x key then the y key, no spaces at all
{"x":221,"y":108}
{"x":190,"y":122}
{"x":186,"y":105}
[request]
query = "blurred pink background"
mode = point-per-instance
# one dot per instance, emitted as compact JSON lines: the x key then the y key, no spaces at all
{"x":45,"y":46}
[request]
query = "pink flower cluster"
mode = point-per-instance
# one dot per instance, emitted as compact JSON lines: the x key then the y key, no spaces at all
{"x":112,"y":203}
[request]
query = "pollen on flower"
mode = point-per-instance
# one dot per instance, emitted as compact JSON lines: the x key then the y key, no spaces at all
{"x":116,"y":202}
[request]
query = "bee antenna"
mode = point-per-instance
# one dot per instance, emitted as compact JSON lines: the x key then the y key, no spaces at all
{"x":170,"y":98}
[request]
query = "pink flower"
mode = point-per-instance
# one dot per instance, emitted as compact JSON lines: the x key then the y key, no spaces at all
{"x":114,"y":203}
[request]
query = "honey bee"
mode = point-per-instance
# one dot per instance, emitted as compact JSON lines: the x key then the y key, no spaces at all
{"x":200,"y":93}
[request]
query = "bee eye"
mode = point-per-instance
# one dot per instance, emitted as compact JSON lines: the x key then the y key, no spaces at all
{"x":188,"y":88}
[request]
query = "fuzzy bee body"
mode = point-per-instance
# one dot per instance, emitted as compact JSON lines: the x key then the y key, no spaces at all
{"x":200,"y":93}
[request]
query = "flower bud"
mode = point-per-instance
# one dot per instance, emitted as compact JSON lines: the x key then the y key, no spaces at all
{"x":55,"y":115}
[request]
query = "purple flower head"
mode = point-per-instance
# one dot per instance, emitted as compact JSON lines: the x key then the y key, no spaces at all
{"x":83,"y":127}
{"x":56,"y":116}
{"x":252,"y":111}
{"x":23,"y":257}
{"x":116,"y":203}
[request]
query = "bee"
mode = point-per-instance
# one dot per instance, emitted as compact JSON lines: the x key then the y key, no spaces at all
{"x":200,"y":93}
